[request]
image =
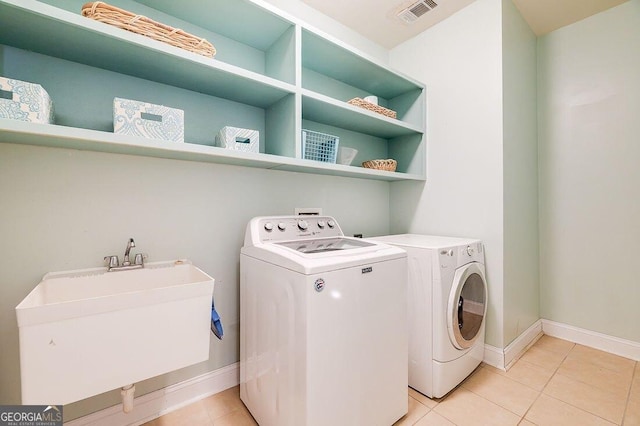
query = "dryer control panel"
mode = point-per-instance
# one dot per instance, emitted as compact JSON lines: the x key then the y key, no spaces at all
{"x":287,"y":228}
{"x":470,"y":253}
{"x":461,"y":255}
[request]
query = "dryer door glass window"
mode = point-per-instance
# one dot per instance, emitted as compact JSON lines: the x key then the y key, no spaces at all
{"x":469,"y":310}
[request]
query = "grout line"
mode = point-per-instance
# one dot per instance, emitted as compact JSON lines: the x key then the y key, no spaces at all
{"x":462,"y":386}
{"x":587,"y":361}
{"x":524,"y":351}
{"x":518,"y":381}
{"x":555,"y":371}
{"x":583,"y":410}
{"x":626,"y":405}
{"x":435,"y":400}
{"x":209,"y":414}
{"x":493,"y":402}
{"x":524,"y":416}
{"x":607,"y":353}
{"x":428,"y":409}
{"x":541,"y":391}
{"x":568,"y":403}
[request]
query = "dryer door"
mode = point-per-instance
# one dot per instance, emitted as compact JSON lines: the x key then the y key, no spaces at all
{"x":467,"y":305}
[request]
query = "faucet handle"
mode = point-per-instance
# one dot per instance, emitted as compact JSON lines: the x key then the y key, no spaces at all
{"x":112,"y":261}
{"x":140,"y":258}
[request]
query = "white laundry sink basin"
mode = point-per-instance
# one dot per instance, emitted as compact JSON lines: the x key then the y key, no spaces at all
{"x":89,"y":331}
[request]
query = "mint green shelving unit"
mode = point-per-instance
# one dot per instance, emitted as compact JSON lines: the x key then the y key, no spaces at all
{"x":270,"y":73}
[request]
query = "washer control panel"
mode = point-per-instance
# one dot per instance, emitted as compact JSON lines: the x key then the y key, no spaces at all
{"x":284,"y":228}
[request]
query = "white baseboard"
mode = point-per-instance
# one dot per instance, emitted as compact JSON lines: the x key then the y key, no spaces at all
{"x":155,"y":404}
{"x":493,"y":356}
{"x":520,"y":344}
{"x":503,"y":358}
{"x":603,"y":342}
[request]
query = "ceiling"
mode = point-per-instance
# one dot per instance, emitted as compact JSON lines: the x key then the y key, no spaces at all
{"x":376,"y":19}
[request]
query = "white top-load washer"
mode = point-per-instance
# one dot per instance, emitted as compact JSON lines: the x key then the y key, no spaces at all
{"x":447,"y":308}
{"x":323,"y":325}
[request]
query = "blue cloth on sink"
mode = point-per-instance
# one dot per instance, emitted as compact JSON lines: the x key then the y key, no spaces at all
{"x":216,"y":323}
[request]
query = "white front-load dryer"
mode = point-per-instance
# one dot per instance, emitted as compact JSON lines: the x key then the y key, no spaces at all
{"x":323,"y":335}
{"x":447,"y":308}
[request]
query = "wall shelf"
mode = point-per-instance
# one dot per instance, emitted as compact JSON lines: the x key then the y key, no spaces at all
{"x":256,"y":81}
{"x":48,"y":135}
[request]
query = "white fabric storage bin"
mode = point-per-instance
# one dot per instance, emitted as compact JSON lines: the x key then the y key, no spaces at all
{"x":24,"y":101}
{"x":147,"y":120}
{"x":239,"y":139}
{"x":318,"y":146}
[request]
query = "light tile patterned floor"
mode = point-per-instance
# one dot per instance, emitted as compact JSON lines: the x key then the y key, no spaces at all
{"x":554,"y":383}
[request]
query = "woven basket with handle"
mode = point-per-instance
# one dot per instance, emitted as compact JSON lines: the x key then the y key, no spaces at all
{"x":139,"y":24}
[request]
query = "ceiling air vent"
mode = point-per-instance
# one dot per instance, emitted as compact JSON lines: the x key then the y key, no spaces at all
{"x":416,"y":10}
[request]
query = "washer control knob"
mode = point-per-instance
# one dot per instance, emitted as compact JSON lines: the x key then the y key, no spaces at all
{"x":303,"y":225}
{"x":321,"y":224}
{"x":268,"y":226}
{"x":282,"y":226}
{"x":470,"y":250}
{"x":331,"y":224}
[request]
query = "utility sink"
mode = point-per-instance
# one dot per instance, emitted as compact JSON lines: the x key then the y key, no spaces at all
{"x":89,"y":331}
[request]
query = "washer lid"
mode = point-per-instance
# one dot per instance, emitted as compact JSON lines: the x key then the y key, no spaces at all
{"x":344,"y":252}
{"x":321,"y":245}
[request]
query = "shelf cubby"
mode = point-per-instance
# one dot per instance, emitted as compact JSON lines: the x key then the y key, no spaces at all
{"x":243,"y":35}
{"x":317,"y":107}
{"x":83,"y":97}
{"x":39,"y":27}
{"x":235,"y":28}
{"x":342,"y":74}
{"x":401,"y":148}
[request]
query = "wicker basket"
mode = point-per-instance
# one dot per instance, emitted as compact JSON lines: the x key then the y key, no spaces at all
{"x":359,"y":102}
{"x":389,"y":165}
{"x":139,"y":24}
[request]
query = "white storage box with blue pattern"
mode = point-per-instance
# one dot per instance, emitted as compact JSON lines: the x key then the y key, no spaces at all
{"x":24,"y":101}
{"x":238,"y":139}
{"x":147,"y":120}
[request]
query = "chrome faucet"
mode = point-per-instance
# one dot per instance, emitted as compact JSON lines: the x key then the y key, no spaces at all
{"x":130,"y":244}
{"x":113,"y":263}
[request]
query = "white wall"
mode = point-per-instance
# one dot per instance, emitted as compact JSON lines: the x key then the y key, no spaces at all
{"x":460,"y":61}
{"x":65,"y":209}
{"x":589,"y":127}
{"x":520,"y":156}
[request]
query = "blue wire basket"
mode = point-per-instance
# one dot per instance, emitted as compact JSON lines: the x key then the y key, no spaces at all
{"x":318,"y":146}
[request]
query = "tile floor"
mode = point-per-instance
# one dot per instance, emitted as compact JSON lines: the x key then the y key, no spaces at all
{"x":554,"y":383}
